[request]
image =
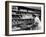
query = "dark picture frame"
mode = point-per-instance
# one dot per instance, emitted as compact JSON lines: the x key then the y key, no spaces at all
{"x":7,"y":18}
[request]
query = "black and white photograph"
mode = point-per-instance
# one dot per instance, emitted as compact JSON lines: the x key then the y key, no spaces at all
{"x":26,"y":18}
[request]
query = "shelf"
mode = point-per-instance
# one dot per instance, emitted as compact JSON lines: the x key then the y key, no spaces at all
{"x":20,"y":12}
{"x":22,"y":19}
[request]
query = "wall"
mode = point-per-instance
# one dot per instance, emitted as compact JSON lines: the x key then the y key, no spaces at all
{"x":2,"y":19}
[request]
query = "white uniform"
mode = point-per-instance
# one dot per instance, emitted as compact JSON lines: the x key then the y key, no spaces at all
{"x":38,"y":21}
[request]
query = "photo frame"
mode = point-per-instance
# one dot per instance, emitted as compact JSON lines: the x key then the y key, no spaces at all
{"x":24,"y":18}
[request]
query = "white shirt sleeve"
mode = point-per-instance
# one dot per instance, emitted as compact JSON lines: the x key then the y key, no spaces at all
{"x":37,"y":20}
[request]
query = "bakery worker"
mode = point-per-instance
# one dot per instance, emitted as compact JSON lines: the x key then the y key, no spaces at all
{"x":37,"y":21}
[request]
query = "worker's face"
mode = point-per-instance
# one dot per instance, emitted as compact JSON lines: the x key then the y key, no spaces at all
{"x":37,"y":16}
